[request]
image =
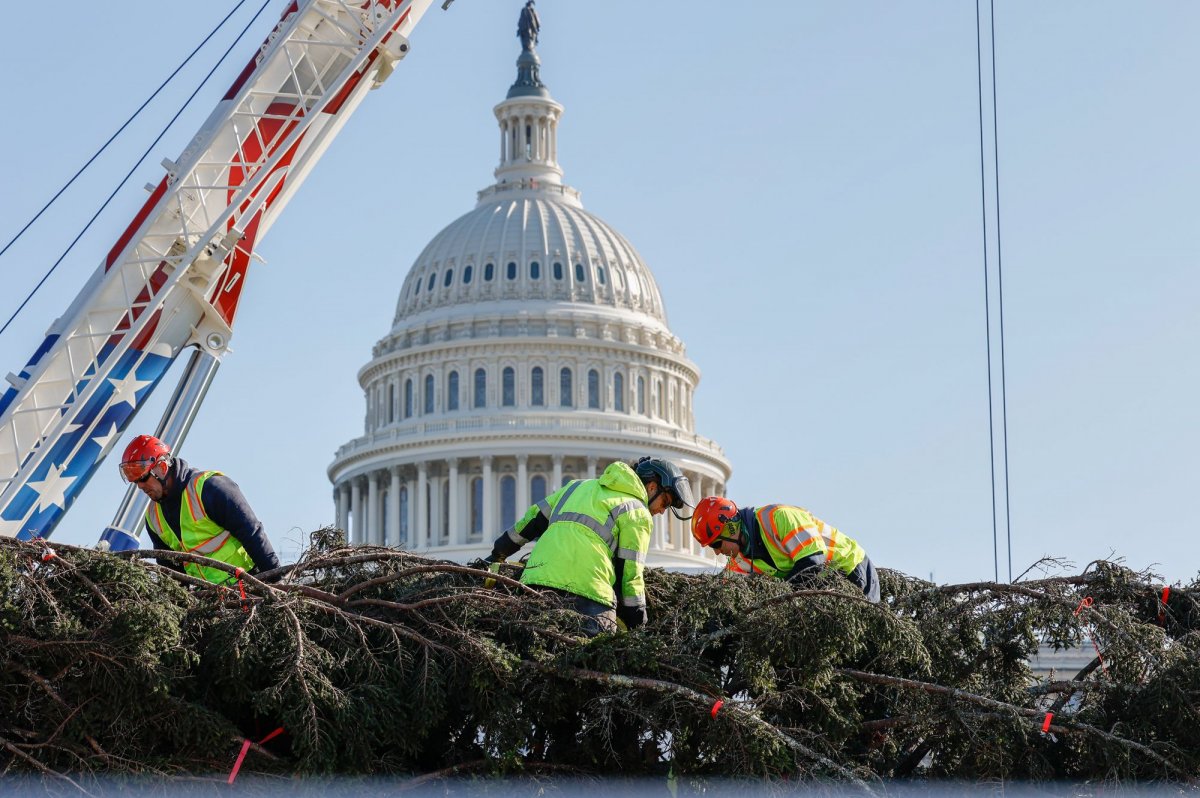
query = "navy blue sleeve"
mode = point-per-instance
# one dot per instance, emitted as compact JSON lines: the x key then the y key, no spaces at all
{"x":806,"y":567}
{"x":225,"y":505}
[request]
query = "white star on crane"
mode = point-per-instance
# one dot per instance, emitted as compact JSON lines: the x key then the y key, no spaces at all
{"x":105,"y":440}
{"x":125,"y":389}
{"x":52,"y":491}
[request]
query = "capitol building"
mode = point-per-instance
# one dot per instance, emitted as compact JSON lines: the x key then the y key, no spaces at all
{"x":529,"y":347}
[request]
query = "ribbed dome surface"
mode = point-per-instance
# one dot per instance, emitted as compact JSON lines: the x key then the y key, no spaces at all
{"x":525,"y":248}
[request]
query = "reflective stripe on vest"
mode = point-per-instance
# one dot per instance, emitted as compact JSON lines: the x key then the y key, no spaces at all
{"x":830,"y":542}
{"x":790,"y":545}
{"x":603,"y":530}
{"x":632,"y":555}
{"x":632,"y":601}
{"x":741,"y":564}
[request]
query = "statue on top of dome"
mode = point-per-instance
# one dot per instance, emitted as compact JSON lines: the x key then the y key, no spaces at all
{"x":528,"y":26}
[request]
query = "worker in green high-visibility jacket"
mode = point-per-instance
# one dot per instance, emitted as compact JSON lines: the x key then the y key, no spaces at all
{"x":782,"y":541}
{"x":591,"y":538}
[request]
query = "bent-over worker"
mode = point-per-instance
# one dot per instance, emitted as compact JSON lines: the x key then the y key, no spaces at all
{"x":591,"y":538}
{"x":780,"y":540}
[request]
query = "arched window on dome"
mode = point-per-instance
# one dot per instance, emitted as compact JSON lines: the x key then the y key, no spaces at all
{"x":417,"y":288}
{"x":558,"y":272}
{"x":403,"y":514}
{"x":510,"y":271}
{"x":508,"y":387}
{"x":658,"y":399}
{"x":508,"y":501}
{"x":537,"y":488}
{"x":616,"y":275}
{"x":535,"y":270}
{"x":408,"y":398}
{"x":593,"y":389}
{"x":428,"y":394}
{"x":565,"y":397}
{"x":619,"y":392}
{"x":600,"y":278}
{"x":480,"y":388}
{"x":641,"y":395}
{"x":452,"y":391}
{"x":429,"y":285}
{"x":489,"y":271}
{"x":449,"y":278}
{"x":467,"y":273}
{"x":537,"y":387}
{"x":391,"y":402}
{"x":580,"y":277}
{"x":475,"y":528}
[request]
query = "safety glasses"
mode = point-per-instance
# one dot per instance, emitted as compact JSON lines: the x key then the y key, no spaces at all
{"x":728,"y":534}
{"x":136,"y":471}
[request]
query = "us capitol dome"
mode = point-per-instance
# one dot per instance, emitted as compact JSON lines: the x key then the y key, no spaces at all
{"x":530,"y":347}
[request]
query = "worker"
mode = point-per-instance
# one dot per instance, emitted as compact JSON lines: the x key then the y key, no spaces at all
{"x":780,"y":540}
{"x":202,"y":512}
{"x":591,"y":537}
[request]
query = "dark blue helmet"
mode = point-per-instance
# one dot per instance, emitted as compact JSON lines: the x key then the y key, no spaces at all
{"x":669,"y":478}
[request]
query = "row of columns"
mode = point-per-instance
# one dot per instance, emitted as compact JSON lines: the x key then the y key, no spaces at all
{"x":369,"y":506}
{"x":542,"y":143}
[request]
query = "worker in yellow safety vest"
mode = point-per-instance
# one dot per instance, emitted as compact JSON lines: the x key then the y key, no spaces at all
{"x":201,"y":512}
{"x":591,"y":538}
{"x":782,"y":541}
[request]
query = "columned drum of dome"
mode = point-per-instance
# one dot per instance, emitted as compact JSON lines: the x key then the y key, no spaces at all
{"x":530,"y":346}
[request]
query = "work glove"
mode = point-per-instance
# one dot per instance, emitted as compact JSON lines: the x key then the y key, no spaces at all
{"x":488,"y":563}
{"x":632,"y":617}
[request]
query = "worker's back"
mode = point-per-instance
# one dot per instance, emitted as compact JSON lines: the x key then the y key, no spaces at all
{"x":589,"y":521}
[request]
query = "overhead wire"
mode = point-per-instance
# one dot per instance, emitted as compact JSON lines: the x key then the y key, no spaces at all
{"x":1000,"y":292}
{"x":121,"y":129}
{"x":133,"y":168}
{"x":986,"y":291}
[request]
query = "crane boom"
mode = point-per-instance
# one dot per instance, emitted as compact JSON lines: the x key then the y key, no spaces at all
{"x":174,"y":277}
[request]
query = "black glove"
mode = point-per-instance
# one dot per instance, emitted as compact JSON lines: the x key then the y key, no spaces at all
{"x":632,"y":617}
{"x":256,"y":573}
{"x":481,"y":563}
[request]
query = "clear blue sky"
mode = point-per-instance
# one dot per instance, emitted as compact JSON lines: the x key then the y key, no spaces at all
{"x":804,"y":181}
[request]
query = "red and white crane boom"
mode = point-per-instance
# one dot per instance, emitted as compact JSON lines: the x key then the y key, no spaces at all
{"x":174,"y":277}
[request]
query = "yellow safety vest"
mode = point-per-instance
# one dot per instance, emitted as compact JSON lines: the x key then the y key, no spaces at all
{"x":199,"y":534}
{"x":793,"y":533}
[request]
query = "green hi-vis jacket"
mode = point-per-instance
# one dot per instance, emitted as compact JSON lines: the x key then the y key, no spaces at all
{"x":779,"y":536}
{"x":200,"y":534}
{"x":596,"y":528}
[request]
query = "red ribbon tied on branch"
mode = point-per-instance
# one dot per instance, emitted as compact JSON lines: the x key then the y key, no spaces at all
{"x":245,"y":748}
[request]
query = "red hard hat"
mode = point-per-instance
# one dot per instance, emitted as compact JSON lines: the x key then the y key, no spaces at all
{"x":145,"y":456}
{"x":710,"y":518}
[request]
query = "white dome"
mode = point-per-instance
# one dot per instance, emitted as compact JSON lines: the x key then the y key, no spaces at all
{"x":524,"y":246}
{"x":529,"y":347}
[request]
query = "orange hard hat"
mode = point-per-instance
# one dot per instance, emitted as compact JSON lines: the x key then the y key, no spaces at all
{"x":145,"y":456}
{"x":710,"y":517}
